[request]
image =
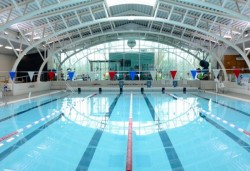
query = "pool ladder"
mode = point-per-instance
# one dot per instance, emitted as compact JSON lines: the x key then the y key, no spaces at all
{"x":69,"y":87}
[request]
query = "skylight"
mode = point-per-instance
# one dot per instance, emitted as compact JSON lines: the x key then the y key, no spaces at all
{"x":122,"y":2}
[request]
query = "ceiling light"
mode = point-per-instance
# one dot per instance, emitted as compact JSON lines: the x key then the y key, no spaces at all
{"x":8,"y":47}
{"x":228,"y":37}
{"x":37,"y":37}
{"x":1,"y":45}
{"x":248,"y":48}
{"x":19,"y":50}
{"x":122,"y":2}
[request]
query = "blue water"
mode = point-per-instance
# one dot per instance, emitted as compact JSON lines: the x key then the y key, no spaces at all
{"x":90,"y":133}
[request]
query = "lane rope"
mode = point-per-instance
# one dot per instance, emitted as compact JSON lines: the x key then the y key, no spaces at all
{"x":11,"y":136}
{"x":247,"y":133}
{"x":130,"y":130}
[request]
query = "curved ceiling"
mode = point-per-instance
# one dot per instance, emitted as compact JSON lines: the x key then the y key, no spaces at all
{"x":53,"y":24}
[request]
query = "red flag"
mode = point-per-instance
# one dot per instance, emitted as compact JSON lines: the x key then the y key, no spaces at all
{"x":173,"y":73}
{"x":51,"y":75}
{"x":236,"y":72}
{"x":112,"y":75}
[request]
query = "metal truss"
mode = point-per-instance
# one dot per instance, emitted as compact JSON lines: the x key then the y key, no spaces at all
{"x":174,"y":41}
{"x":207,"y":24}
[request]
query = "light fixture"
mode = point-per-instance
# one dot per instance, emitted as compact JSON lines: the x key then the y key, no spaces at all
{"x":37,"y":37}
{"x":228,"y":37}
{"x":8,"y":47}
{"x":131,"y":18}
{"x":6,"y":33}
{"x":1,"y":45}
{"x":18,"y":50}
{"x":122,"y":2}
{"x":247,"y":48}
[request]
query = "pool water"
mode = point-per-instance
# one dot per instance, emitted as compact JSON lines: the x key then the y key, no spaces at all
{"x":89,"y":131}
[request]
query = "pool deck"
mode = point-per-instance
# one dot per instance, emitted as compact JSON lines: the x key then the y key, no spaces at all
{"x":238,"y":96}
{"x":12,"y":99}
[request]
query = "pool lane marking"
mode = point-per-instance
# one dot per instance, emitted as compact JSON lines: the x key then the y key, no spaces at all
{"x":239,"y":141}
{"x":90,"y":151}
{"x":173,"y":158}
{"x":91,"y":148}
{"x":112,"y":106}
{"x":34,"y":107}
{"x":227,"y":123}
{"x":218,"y":118}
{"x":22,"y":141}
{"x":240,"y":111}
{"x":28,"y":126}
{"x":150,"y":107}
{"x":130,"y":130}
{"x":17,"y":132}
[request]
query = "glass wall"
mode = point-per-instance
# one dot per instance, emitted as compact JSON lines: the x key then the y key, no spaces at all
{"x":150,"y":60}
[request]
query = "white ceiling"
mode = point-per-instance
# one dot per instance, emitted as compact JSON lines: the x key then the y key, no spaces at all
{"x":69,"y":23}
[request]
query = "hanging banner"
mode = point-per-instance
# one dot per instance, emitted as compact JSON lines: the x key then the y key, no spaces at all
{"x":71,"y":75}
{"x":153,"y":74}
{"x":51,"y":75}
{"x":112,"y":75}
{"x":12,"y":75}
{"x":139,"y":75}
{"x":31,"y":74}
{"x":173,"y":73}
{"x":193,"y":72}
{"x":216,"y":72}
{"x":236,"y":72}
{"x":132,"y":74}
{"x":92,"y":76}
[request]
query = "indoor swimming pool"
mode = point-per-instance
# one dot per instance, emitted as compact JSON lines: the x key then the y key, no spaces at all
{"x":113,"y":131}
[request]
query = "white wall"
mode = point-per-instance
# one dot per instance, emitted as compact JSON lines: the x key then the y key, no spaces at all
{"x":23,"y":88}
{"x":6,"y":63}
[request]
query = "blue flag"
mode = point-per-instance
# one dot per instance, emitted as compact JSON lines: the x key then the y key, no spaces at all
{"x":12,"y":75}
{"x":193,"y":72}
{"x":71,"y":75}
{"x":132,"y":74}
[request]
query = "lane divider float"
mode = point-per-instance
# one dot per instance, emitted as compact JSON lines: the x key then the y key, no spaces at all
{"x":10,"y":137}
{"x":130,"y":130}
{"x":216,"y":117}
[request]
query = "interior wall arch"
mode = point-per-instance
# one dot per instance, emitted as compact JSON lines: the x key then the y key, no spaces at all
{"x":115,"y":46}
{"x":157,"y":34}
{"x":188,"y":52}
{"x":135,"y":18}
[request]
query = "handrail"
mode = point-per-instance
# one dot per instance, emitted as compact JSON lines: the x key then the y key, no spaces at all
{"x":69,"y":87}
